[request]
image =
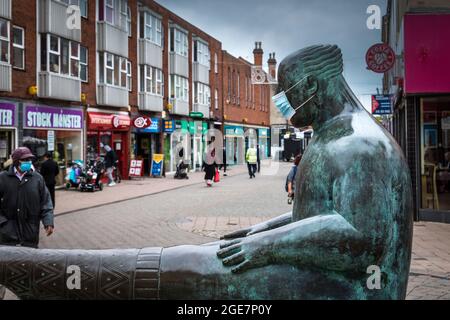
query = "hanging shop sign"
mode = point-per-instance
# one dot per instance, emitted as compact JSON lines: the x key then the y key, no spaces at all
{"x":169,"y":126}
{"x":157,"y":165}
{"x":43,"y":117}
{"x":380,"y":58}
{"x":381,"y":104}
{"x":7,"y":114}
{"x":142,"y":122}
{"x":106,"y":121}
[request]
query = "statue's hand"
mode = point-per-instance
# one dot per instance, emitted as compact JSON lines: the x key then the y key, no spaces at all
{"x":260,"y":227}
{"x":244,"y":254}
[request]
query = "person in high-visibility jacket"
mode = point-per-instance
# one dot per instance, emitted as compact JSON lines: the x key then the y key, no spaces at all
{"x":252,"y":160}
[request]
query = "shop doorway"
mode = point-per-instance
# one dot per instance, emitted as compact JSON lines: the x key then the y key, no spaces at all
{"x":7,"y":139}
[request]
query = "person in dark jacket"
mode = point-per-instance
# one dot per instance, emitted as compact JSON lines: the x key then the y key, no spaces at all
{"x":209,"y":166}
{"x":24,"y":203}
{"x":49,"y":170}
{"x":110,"y":162}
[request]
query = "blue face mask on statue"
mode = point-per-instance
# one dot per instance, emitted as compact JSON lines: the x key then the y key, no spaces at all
{"x":25,"y":166}
{"x":284,"y":106}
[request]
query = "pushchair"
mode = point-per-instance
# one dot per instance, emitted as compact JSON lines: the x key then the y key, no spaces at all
{"x":181,"y":172}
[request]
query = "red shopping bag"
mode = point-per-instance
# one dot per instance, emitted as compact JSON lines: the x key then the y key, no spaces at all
{"x":217,"y":176}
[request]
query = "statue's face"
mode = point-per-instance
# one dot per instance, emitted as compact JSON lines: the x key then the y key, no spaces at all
{"x":302,"y":97}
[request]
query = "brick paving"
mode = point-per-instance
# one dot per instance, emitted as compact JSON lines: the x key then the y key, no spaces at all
{"x":190,"y":213}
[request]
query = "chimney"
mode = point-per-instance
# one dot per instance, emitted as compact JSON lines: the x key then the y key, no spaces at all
{"x":272,"y":62}
{"x":258,"y":54}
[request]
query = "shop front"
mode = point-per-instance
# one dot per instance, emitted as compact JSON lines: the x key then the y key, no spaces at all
{"x":8,"y":130}
{"x":112,"y":129}
{"x":234,"y":144}
{"x":421,"y":121}
{"x":147,"y":143}
{"x":58,"y":130}
{"x":198,"y":131}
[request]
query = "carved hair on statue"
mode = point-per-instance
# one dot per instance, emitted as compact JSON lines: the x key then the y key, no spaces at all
{"x":323,"y":61}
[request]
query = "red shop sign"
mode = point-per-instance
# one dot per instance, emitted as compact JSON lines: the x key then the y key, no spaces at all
{"x":380,"y":58}
{"x":105,"y":121}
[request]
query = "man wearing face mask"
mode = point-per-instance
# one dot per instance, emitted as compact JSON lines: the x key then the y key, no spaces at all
{"x":25,"y":202}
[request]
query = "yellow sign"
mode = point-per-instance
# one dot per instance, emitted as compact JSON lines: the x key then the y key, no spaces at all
{"x":158,"y":158}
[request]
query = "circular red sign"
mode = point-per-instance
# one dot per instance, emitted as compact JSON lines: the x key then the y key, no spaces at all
{"x":142,"y":122}
{"x":380,"y":58}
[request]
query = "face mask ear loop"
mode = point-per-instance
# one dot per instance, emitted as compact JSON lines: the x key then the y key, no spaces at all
{"x":292,"y":87}
{"x":315,"y":93}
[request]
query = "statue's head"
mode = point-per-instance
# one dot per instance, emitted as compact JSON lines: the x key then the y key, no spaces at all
{"x":310,"y":79}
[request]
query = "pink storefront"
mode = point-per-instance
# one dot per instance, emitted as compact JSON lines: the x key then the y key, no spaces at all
{"x":426,"y":123}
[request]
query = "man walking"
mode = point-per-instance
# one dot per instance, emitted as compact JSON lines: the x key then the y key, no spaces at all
{"x":252,"y":160}
{"x":24,"y":203}
{"x":49,"y":170}
{"x":110,"y":162}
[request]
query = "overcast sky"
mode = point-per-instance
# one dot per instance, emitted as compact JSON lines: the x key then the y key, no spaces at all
{"x":284,"y":26}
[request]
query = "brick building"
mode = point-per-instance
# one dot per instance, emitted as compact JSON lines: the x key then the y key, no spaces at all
{"x":69,"y":85}
{"x":247,"y":97}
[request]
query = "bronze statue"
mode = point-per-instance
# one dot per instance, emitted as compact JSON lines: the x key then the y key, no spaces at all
{"x":352,"y":213}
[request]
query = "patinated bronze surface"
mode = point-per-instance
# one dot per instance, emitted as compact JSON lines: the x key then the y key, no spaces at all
{"x":352,"y":210}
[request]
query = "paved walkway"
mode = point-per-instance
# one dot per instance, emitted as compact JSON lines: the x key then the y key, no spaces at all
{"x":68,"y":201}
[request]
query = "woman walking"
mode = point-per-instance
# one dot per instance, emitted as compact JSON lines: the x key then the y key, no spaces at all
{"x":209,"y":166}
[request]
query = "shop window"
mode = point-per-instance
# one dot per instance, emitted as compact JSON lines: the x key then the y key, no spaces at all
{"x":435,"y":154}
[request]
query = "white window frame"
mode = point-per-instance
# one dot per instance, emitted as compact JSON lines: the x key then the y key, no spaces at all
{"x":106,"y":67}
{"x":7,"y":39}
{"x":75,"y":58}
{"x":181,"y":46}
{"x":124,"y":15}
{"x":129,"y":27}
{"x":129,"y":76}
{"x":121,"y":71}
{"x":20,"y":47}
{"x":86,"y":64}
{"x":110,"y":6}
{"x":51,"y":52}
{"x":154,"y":25}
{"x":203,"y":54}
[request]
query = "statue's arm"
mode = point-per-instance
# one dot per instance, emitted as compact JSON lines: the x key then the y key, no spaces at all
{"x":260,"y":227}
{"x":349,"y":235}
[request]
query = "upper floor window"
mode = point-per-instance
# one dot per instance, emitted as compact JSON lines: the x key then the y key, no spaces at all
{"x":114,"y":70}
{"x":63,"y":56}
{"x":179,"y":42}
{"x":151,"y":80}
{"x":4,"y":40}
{"x":109,"y":11}
{"x":216,"y":64}
{"x":179,"y":88}
{"x":84,"y":64}
{"x":82,"y":4}
{"x":18,"y":48}
{"x":130,"y":33}
{"x":201,"y":53}
{"x":202,"y":94}
{"x":238,"y":84}
{"x":151,"y":28}
{"x":216,"y":99}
